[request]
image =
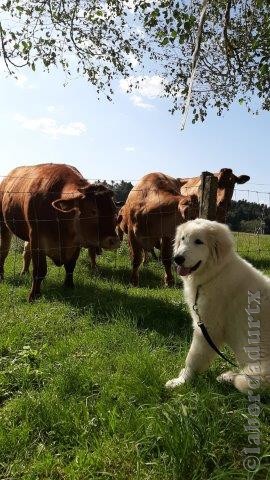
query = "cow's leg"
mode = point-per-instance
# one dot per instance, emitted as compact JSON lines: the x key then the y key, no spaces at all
{"x":145,"y":257}
{"x":166,"y":257}
{"x":93,"y":257}
{"x":137,"y":258}
{"x":26,"y":258}
{"x":69,"y":267}
{"x":5,"y":240}
{"x":39,"y":268}
{"x":93,"y":253}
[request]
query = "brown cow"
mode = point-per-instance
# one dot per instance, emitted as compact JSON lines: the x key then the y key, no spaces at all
{"x":57,"y":211}
{"x":226,"y":184}
{"x":153,"y":210}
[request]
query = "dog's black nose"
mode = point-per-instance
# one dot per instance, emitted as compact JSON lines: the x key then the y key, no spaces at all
{"x":179,"y":259}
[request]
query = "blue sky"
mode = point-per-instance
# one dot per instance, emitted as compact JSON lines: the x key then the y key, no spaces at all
{"x":43,"y":121}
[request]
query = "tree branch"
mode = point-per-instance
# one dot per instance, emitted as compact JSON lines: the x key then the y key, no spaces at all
{"x":5,"y":56}
{"x":227,"y":43}
{"x":195,"y":58}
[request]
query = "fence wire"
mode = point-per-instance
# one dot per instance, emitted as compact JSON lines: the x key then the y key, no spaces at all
{"x":159,"y":213}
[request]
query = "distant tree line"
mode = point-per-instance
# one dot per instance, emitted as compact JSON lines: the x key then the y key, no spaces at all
{"x":252,"y":217}
{"x":120,"y":189}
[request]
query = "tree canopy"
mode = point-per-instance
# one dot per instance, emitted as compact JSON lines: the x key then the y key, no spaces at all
{"x":218,"y":57}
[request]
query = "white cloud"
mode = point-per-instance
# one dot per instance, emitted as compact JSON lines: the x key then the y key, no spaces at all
{"x":138,"y":102}
{"x":51,"y":108}
{"x":147,"y":86}
{"x":133,"y":60}
{"x":50,"y":127}
{"x":130,"y":149}
{"x":22,"y":81}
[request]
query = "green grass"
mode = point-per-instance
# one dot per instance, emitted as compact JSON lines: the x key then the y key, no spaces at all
{"x":82,"y":378}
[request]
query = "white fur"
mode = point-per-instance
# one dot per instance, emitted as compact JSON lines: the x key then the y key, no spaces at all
{"x":225,"y":280}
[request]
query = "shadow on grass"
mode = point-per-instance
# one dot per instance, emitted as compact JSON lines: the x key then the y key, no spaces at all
{"x":105,"y":303}
{"x":107,"y":293}
{"x":122,"y":274}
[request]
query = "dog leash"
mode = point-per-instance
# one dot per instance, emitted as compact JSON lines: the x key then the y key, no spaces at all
{"x":205,"y":332}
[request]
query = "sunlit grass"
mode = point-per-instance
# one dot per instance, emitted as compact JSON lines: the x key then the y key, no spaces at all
{"x":82,"y":380}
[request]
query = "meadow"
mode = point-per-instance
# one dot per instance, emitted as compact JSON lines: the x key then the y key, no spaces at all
{"x":82,"y":377}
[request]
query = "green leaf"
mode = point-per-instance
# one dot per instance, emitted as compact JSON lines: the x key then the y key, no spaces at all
{"x":165,"y":41}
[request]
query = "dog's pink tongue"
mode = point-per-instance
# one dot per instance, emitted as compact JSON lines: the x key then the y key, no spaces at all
{"x":183,"y":271}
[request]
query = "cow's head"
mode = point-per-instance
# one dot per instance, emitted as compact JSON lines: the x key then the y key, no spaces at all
{"x":226,"y":184}
{"x":189,"y":207}
{"x":94,"y":213}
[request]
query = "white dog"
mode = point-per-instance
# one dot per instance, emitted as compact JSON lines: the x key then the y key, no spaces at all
{"x":233,"y":302}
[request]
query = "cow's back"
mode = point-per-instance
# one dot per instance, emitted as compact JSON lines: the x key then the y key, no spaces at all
{"x":27,"y":194}
{"x":151,"y":209}
{"x":153,"y":185}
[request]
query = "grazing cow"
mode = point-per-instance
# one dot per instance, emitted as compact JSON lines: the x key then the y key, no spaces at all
{"x":57,"y":211}
{"x":226,"y":184}
{"x":153,"y":210}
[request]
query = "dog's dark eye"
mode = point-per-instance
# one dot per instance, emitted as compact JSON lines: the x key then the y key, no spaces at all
{"x":183,"y":238}
{"x":198,"y":241}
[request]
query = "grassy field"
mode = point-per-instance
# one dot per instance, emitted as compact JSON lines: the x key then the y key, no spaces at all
{"x":82,"y":381}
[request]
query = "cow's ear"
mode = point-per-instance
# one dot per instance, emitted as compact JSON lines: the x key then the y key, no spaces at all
{"x":67,"y":206}
{"x":242,"y":179}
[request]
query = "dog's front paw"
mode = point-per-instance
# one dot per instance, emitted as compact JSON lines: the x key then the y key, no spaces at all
{"x":175,"y":382}
{"x":226,"y":377}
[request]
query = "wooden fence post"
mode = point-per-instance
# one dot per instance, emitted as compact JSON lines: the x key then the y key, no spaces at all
{"x":208,"y":196}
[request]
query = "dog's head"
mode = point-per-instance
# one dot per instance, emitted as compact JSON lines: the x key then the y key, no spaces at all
{"x":201,"y":244}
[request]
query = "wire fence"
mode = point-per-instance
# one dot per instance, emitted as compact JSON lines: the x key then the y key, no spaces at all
{"x":158,"y":210}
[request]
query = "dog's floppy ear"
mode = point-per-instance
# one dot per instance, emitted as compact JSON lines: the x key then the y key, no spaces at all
{"x":178,"y":235}
{"x":220,"y":241}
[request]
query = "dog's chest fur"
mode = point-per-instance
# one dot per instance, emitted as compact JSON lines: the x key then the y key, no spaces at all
{"x":222,"y":304}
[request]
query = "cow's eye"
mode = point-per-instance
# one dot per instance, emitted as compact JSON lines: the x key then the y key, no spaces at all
{"x":198,"y":241}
